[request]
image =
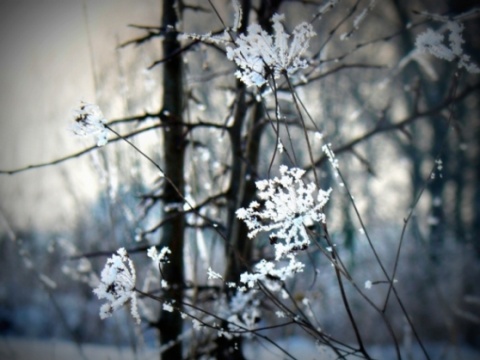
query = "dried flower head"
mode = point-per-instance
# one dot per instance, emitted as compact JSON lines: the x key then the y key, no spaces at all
{"x":117,"y":285}
{"x":257,"y":53}
{"x":288,"y":207}
{"x":89,"y":121}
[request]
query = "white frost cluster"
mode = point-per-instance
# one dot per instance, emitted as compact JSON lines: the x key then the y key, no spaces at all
{"x":241,"y":312}
{"x":288,"y":207}
{"x":445,"y":47}
{"x":368,"y":284}
{"x":266,"y":270}
{"x":327,"y":149}
{"x":213,"y":275}
{"x":323,"y":9}
{"x":158,"y":257}
{"x":89,"y":121}
{"x":237,"y":10}
{"x":117,"y":285}
{"x":257,"y":53}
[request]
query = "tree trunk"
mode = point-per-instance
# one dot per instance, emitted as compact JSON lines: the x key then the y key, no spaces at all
{"x":170,"y":323}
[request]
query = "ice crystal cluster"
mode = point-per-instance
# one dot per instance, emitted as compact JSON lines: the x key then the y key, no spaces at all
{"x":158,"y":257}
{"x":89,"y":121}
{"x":288,"y":207}
{"x":446,"y":47}
{"x":266,"y":271}
{"x":258,"y":54}
{"x":242,"y":313}
{"x":117,"y":285}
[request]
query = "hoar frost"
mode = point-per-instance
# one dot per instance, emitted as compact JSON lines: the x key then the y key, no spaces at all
{"x":449,"y":47}
{"x":288,"y":207}
{"x":117,"y":285}
{"x":257,"y":53}
{"x":158,"y":257}
{"x":242,"y":313}
{"x":89,"y":121}
{"x":266,"y":270}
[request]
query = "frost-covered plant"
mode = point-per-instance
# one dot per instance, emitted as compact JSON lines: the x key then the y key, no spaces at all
{"x":241,"y":313}
{"x":267,"y":270}
{"x":158,"y":257}
{"x":89,"y":121}
{"x":446,"y":47}
{"x":117,"y":285}
{"x":257,"y":53}
{"x":288,"y":207}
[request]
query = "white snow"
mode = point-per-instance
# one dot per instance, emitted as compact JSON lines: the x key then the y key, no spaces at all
{"x":27,"y":349}
{"x":299,"y":347}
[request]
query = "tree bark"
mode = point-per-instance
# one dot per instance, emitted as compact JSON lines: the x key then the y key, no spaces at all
{"x":170,"y":323}
{"x":246,"y":152}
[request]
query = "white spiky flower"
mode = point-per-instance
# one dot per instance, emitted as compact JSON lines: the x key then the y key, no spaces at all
{"x":289,"y":205}
{"x":117,"y":285}
{"x":257,"y":53}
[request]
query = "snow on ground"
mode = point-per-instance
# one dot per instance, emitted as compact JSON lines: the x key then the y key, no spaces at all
{"x":303,"y":349}
{"x":24,"y":349}
{"x":298,"y":347}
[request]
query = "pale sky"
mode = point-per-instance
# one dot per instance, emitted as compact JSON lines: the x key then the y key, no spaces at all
{"x":45,"y":70}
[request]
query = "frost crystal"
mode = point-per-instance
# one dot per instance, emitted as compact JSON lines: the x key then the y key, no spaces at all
{"x":359,"y":19}
{"x":89,"y":121}
{"x":241,"y":312}
{"x":167,"y":307}
{"x":257,"y":53}
{"x":213,"y":275}
{"x":447,"y":48}
{"x":288,"y":207}
{"x":368,"y":284}
{"x":280,"y":314}
{"x":266,"y":270}
{"x":327,"y":7}
{"x":432,"y":42}
{"x":237,"y":9}
{"x":327,"y":149}
{"x":117,"y":285}
{"x":157,"y":257}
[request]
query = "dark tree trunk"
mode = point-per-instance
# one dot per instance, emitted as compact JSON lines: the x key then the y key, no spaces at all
{"x":244,"y":173}
{"x":170,"y":323}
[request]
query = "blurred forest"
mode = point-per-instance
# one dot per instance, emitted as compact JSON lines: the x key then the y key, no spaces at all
{"x":404,"y":128}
